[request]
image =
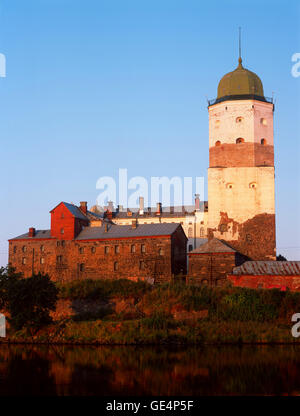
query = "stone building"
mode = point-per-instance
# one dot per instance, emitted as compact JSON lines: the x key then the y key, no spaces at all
{"x":72,"y":249}
{"x":211,"y":262}
{"x":241,"y":166}
{"x":284,"y":275}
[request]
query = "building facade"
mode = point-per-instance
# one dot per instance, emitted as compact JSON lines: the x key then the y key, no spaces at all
{"x":72,"y":249}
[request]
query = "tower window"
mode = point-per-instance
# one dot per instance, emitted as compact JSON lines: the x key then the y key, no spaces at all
{"x":252,"y":185}
{"x":239,"y":119}
{"x":229,"y":185}
{"x":263,"y":121}
{"x":240,"y":140}
{"x":190,"y":232}
{"x":218,"y":143}
{"x":263,"y":142}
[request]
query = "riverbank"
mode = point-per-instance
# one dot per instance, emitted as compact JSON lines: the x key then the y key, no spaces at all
{"x":124,"y":312}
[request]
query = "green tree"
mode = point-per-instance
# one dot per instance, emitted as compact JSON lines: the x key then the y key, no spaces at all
{"x":28,"y":301}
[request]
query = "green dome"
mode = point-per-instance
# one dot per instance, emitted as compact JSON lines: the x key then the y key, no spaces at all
{"x":240,"y":82}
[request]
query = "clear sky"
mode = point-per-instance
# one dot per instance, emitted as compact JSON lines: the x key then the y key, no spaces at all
{"x":93,"y":86}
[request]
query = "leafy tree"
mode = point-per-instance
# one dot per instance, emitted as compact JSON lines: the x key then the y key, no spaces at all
{"x":28,"y":301}
{"x":280,"y":258}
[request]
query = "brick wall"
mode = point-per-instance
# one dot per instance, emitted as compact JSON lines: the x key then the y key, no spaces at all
{"x":266,"y":281}
{"x":66,"y":260}
{"x":243,"y":154}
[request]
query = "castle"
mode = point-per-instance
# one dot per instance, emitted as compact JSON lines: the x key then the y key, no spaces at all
{"x":236,"y":224}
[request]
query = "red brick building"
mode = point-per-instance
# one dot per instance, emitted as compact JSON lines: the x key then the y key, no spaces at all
{"x":72,"y":249}
{"x":284,"y":275}
{"x":211,"y":262}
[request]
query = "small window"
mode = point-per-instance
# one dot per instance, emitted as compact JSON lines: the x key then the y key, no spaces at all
{"x":62,"y":231}
{"x":263,"y":142}
{"x":229,"y":185}
{"x":117,"y":249}
{"x":106,"y":249}
{"x":81,"y":250}
{"x":93,"y":250}
{"x":160,"y":251}
{"x":58,"y":243}
{"x":15,"y":249}
{"x":24,"y":249}
{"x":143,"y":248}
{"x":142,"y":265}
{"x":81,"y":267}
{"x":62,"y":243}
{"x":263,"y":121}
{"x":201,"y":232}
{"x":240,"y":140}
{"x":59,"y":259}
{"x":218,"y":143}
{"x":239,"y":119}
{"x":190,"y":232}
{"x":24,"y":260}
{"x":116,"y":266}
{"x":252,"y":185}
{"x":132,"y":248}
{"x":42,"y":248}
{"x":42,"y":261}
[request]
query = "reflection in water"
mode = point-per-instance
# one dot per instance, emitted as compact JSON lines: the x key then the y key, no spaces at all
{"x":130,"y":370}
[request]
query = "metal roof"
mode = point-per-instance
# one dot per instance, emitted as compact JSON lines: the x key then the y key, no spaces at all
{"x":213,"y":246}
{"x":282,"y":268}
{"x":126,"y":231}
{"x":38,"y":234}
{"x":75,"y":211}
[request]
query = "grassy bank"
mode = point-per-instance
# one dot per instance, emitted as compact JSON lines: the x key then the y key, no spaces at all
{"x":125,"y":312}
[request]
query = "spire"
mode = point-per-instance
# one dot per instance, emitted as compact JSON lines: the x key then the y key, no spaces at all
{"x":240,"y":50}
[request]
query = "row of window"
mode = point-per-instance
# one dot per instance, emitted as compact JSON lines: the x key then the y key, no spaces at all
{"x":240,"y":119}
{"x":190,"y":232}
{"x":142,"y":266}
{"x":263,"y":142}
{"x":252,"y":185}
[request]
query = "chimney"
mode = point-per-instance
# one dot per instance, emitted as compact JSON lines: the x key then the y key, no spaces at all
{"x":31,"y":232}
{"x":141,"y":202}
{"x":83,"y":207}
{"x":158,"y":208}
{"x":134,"y":223}
{"x":105,"y":227}
{"x":120,"y":208}
{"x":197,"y":202}
{"x":111,"y":206}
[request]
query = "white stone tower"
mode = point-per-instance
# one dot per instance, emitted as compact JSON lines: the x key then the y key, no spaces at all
{"x":241,"y":203}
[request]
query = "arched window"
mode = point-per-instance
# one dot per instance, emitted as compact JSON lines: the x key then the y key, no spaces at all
{"x":42,"y":260}
{"x":24,"y":249}
{"x":190,"y":232}
{"x":42,"y":248}
{"x":143,"y":248}
{"x":81,"y":250}
{"x":218,"y":143}
{"x":142,"y":265}
{"x":201,"y":232}
{"x":160,"y":251}
{"x":263,"y":142}
{"x":116,"y":266}
{"x":24,"y":260}
{"x":133,"y":248}
{"x":117,"y":249}
{"x":240,"y":140}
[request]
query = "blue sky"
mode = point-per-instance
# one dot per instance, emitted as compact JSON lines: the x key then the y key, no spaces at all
{"x":94,"y":86}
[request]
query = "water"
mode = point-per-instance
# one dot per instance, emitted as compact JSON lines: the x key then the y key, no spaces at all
{"x":130,"y":370}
